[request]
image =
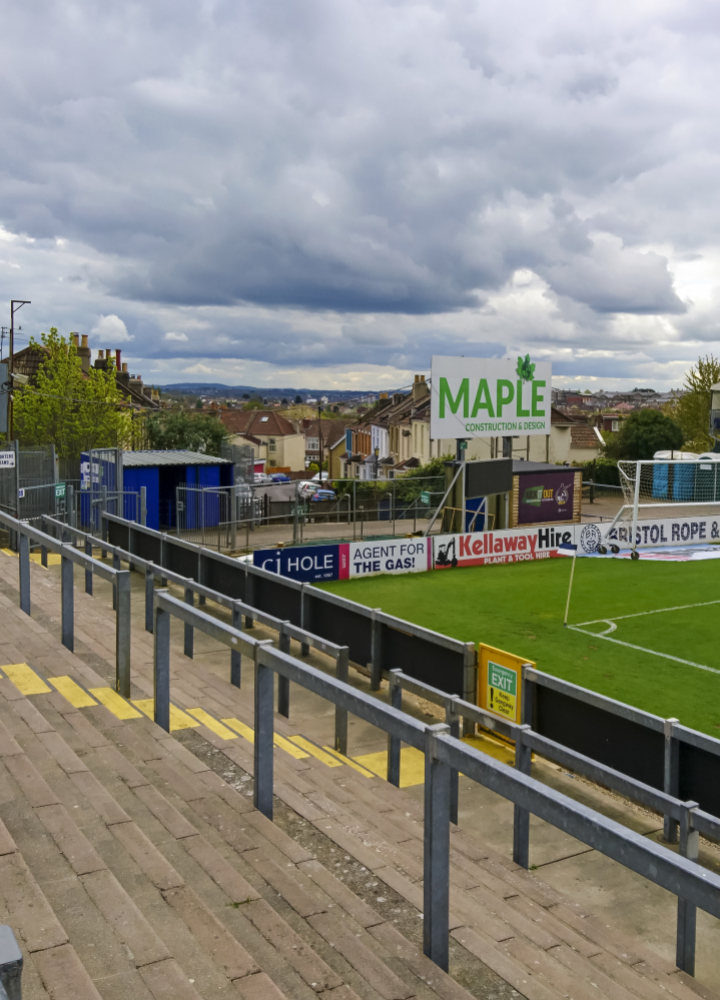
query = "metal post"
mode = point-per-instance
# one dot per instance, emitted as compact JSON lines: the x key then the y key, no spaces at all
{"x":143,"y":505}
{"x":149,"y":596}
{"x":304,"y":617}
{"x":436,"y":854}
{"x":67,"y":601}
{"x":470,"y":682}
{"x":188,"y":629}
{"x":11,"y":964}
{"x":24,"y":568}
{"x":163,"y":557}
{"x":122,"y":633}
{"x":235,"y":657}
{"x":249,"y":595}
{"x":341,"y":716}
{"x":264,"y":733}
{"x":452,"y":720}
{"x":671,"y":778}
{"x":70,"y":505}
{"x":116,"y":565}
{"x":43,"y":556}
{"x":200,"y":575}
{"x":521,"y":817}
{"x":88,"y":572}
{"x":375,"y":652}
{"x":686,"y":912}
{"x":393,"y":760}
{"x":103,"y":510}
{"x":161,"y":669}
{"x":636,"y":501}
{"x":283,"y":682}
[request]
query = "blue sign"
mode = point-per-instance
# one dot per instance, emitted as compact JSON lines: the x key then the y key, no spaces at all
{"x":306,"y":563}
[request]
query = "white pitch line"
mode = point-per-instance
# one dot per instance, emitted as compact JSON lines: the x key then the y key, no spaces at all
{"x":639,"y":614}
{"x":642,"y":649}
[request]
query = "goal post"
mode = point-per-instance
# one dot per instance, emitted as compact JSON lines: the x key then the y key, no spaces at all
{"x":674,"y":488}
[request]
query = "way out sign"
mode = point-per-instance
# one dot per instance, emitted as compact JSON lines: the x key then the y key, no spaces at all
{"x":500,"y":682}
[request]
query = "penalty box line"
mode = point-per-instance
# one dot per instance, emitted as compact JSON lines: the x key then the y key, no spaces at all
{"x":639,"y":614}
{"x":643,"y":649}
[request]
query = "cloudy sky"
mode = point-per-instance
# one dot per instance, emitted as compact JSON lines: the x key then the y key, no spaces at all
{"x":327,"y":192}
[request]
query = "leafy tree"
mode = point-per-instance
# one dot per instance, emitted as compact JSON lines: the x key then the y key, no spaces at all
{"x":172,"y":429}
{"x":298,"y":400}
{"x":692,"y":409}
{"x":254,"y":404}
{"x":642,"y":434}
{"x":199,"y":404}
{"x":67,"y":408}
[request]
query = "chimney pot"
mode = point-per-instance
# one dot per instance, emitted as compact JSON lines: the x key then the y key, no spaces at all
{"x":101,"y":355}
{"x":84,"y":340}
{"x":124,"y":366}
{"x":117,"y":361}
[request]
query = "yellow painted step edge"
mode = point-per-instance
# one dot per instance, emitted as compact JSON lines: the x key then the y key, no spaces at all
{"x":72,"y":692}
{"x":249,"y":734}
{"x":115,"y":703}
{"x":212,"y":724}
{"x":316,"y":752}
{"x":350,"y":762}
{"x":25,"y":679}
{"x":178,"y":718}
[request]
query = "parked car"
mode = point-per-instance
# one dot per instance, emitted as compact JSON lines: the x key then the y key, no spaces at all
{"x":280,"y":477}
{"x":322,"y":494}
{"x":306,"y":488}
{"x":262,"y":479}
{"x":320,"y":477}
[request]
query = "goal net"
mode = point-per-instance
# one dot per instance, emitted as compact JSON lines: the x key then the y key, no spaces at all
{"x":659,"y":488}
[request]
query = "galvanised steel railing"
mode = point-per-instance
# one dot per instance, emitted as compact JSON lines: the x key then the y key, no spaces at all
{"x":444,"y":753}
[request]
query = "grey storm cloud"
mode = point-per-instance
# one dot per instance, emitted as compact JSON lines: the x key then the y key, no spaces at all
{"x":376,"y":157}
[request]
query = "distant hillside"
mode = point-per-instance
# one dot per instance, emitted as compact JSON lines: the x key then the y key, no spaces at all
{"x":237,"y":391}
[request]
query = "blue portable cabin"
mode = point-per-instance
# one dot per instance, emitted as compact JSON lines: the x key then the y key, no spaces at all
{"x":161,"y":472}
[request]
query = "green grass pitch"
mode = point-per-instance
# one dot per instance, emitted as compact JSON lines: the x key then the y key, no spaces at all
{"x":521,"y":607}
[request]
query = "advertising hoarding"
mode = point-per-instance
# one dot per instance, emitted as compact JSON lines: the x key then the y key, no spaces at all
{"x":399,"y":555}
{"x":307,"y":563}
{"x":486,"y":397}
{"x":547,"y":496}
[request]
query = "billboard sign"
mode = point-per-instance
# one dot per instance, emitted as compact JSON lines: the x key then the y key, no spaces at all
{"x":307,"y":563}
{"x":546,"y":497}
{"x":398,"y":555}
{"x":487,"y":397}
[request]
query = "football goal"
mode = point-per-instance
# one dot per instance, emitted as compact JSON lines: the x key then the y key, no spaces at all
{"x":660,"y":488}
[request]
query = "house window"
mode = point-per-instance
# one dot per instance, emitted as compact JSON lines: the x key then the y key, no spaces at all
{"x":615,"y":425}
{"x":271,"y":444}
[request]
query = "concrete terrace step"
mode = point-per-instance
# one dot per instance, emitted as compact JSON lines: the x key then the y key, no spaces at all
{"x":173,"y":869}
{"x":520,"y":928}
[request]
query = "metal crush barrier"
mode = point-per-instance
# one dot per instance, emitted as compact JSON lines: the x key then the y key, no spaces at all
{"x":11,"y":965}
{"x":70,"y":557}
{"x":376,"y":640}
{"x":445,"y":754}
{"x":239,"y":610}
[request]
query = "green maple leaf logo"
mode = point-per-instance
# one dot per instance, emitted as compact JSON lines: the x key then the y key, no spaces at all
{"x":525,"y":368}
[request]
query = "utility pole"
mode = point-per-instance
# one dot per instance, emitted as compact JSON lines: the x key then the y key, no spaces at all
{"x":320,"y":438}
{"x":15,"y":304}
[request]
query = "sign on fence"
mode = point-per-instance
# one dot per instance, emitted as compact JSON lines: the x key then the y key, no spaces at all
{"x":500,"y":682}
{"x":307,"y":563}
{"x":7,"y":459}
{"x":398,"y":555}
{"x":348,"y":559}
{"x":59,"y":491}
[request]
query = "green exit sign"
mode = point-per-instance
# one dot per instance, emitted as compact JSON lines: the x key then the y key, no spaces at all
{"x":463,"y":446}
{"x":59,"y":491}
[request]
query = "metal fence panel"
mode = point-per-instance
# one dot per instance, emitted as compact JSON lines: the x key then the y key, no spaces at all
{"x":433,"y":664}
{"x":621,"y":743}
{"x":340,"y":625}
